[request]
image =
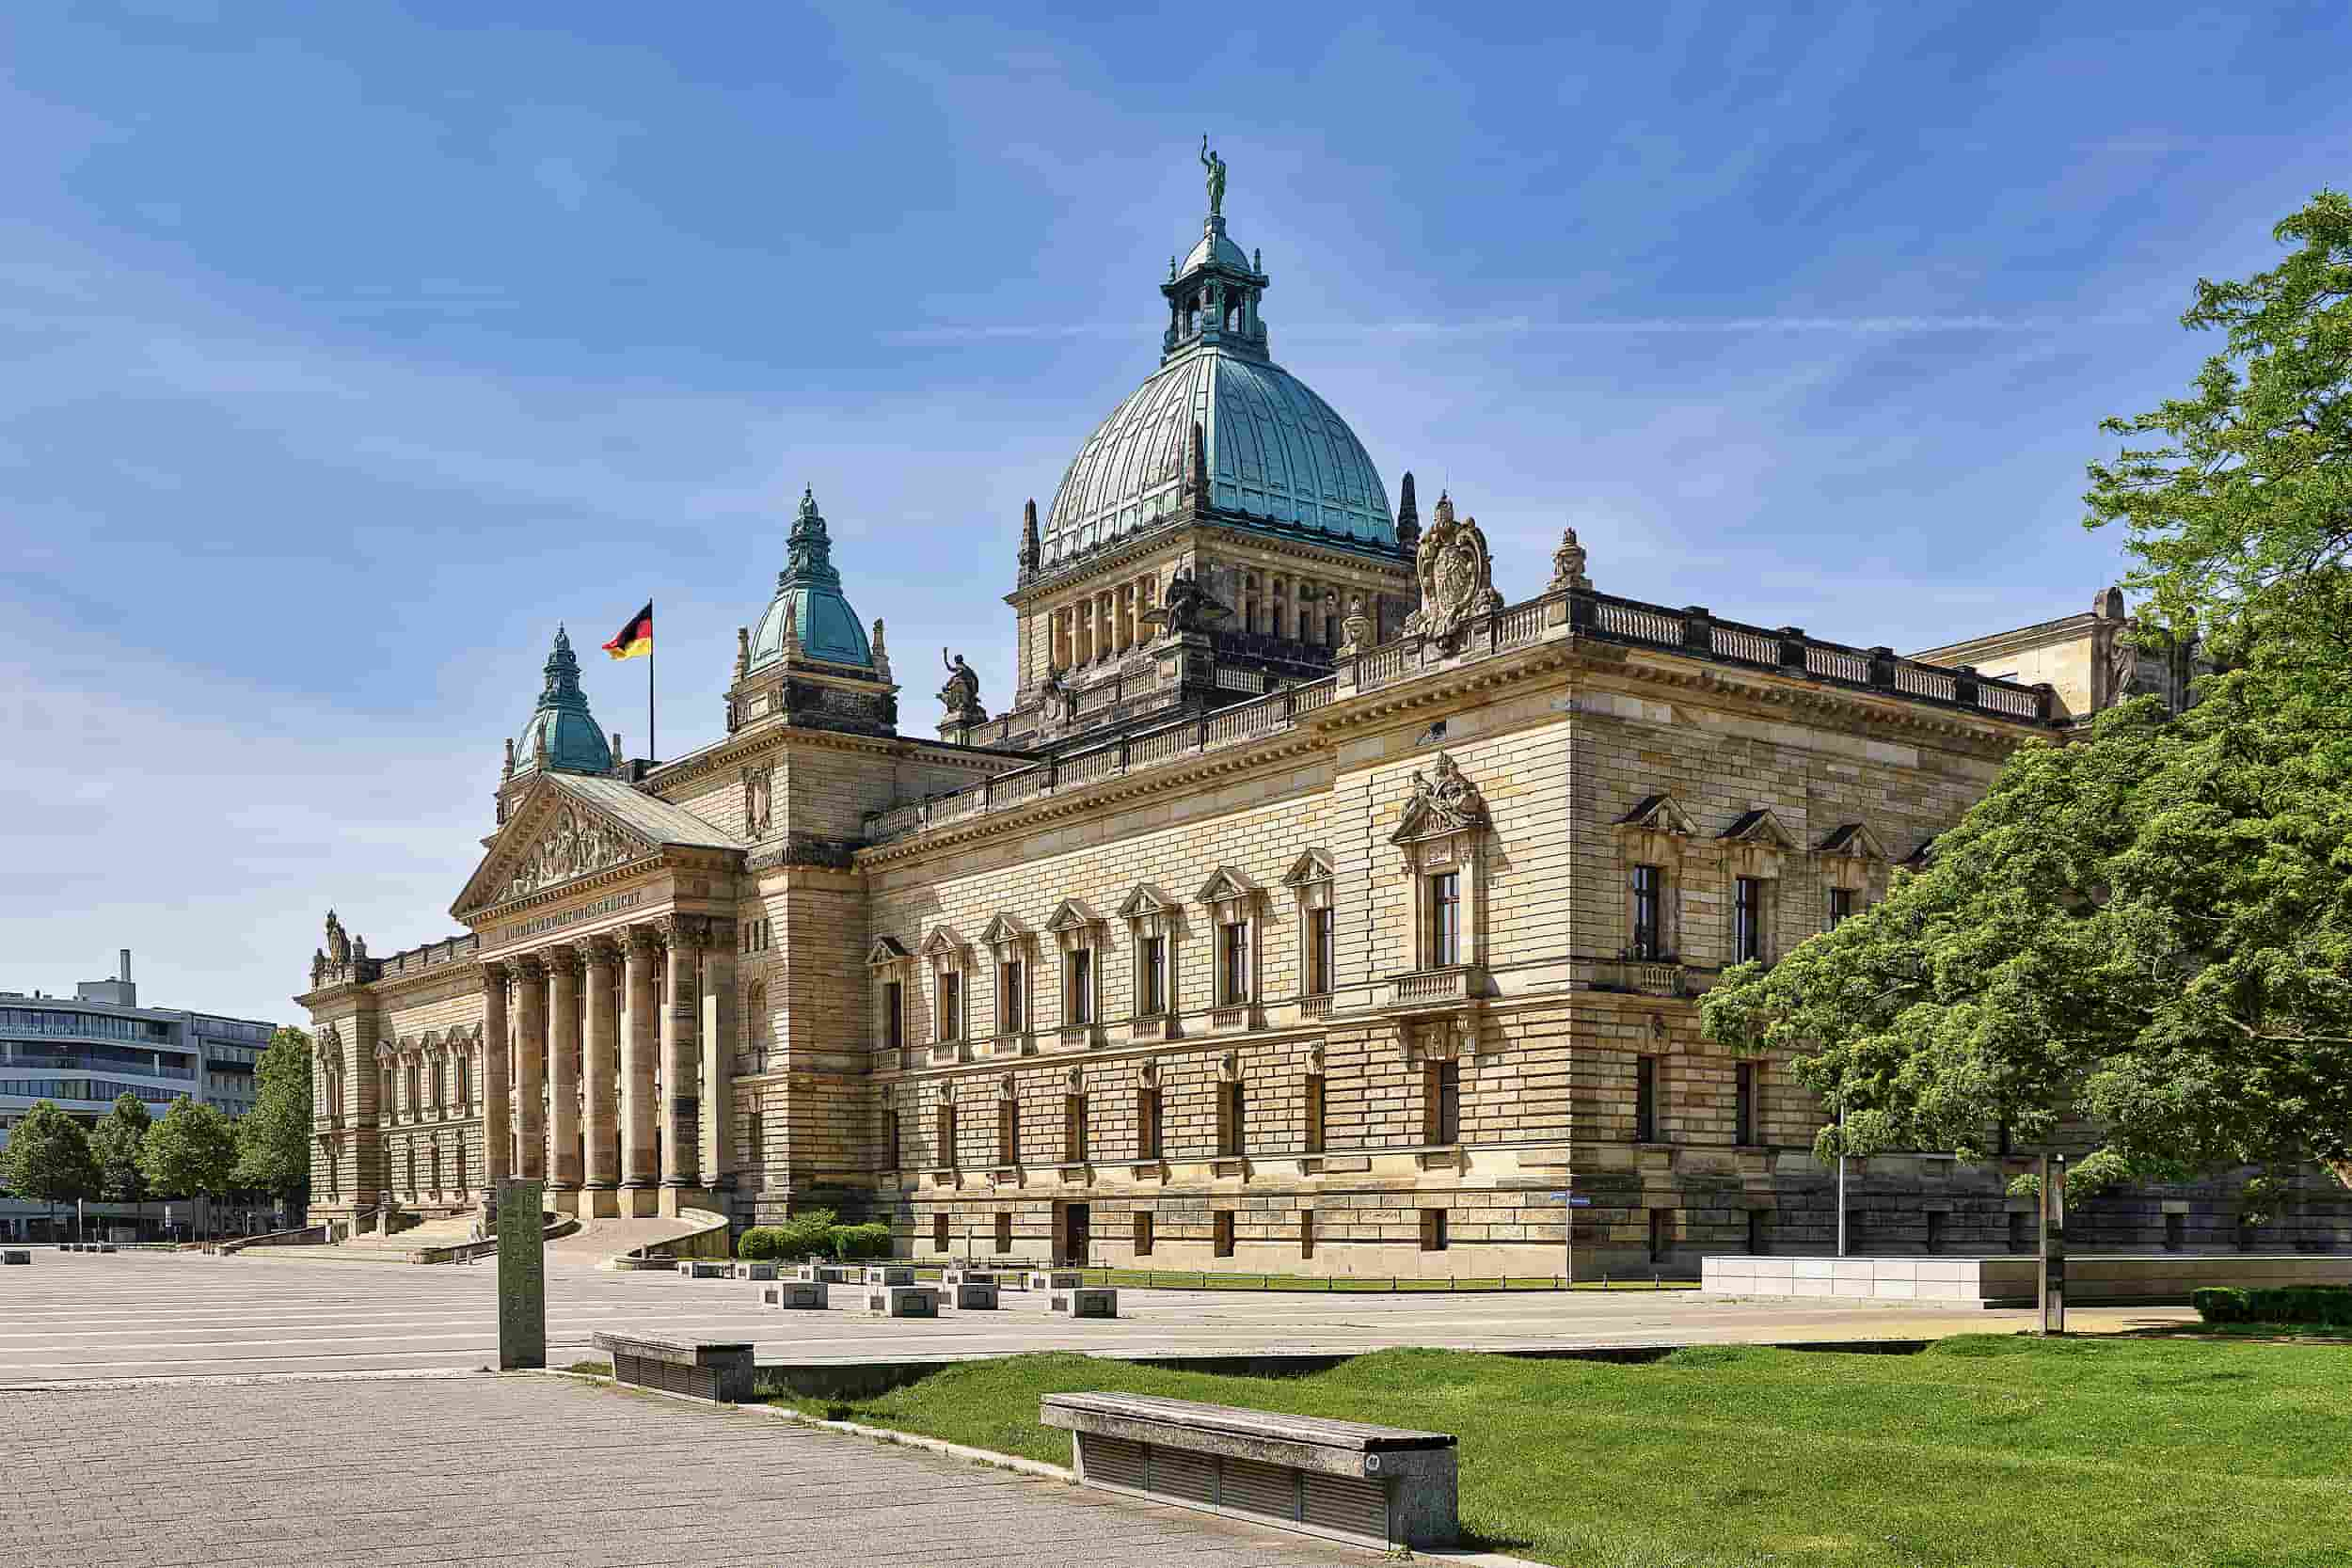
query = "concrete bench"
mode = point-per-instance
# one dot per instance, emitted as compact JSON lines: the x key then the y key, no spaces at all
{"x":755,"y":1270}
{"x":972,"y":1295}
{"x":902,"y":1300}
{"x":701,"y":1368}
{"x":794,"y":1294}
{"x":1084,"y":1301}
{"x":16,"y":1255}
{"x":956,"y":1275}
{"x":1053,"y":1280}
{"x":105,"y":1246}
{"x":1382,"y":1487}
{"x":890,"y":1273}
{"x":703,"y":1268}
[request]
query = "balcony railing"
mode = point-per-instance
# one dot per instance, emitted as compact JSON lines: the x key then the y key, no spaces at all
{"x":1693,"y":632}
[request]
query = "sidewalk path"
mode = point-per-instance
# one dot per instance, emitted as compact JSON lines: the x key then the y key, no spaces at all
{"x":488,"y":1470}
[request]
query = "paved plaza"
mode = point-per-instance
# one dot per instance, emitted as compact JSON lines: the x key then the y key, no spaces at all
{"x":540,"y":1470}
{"x":72,"y":1315}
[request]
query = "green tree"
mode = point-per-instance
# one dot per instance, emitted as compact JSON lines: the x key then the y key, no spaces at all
{"x":116,"y":1143}
{"x":191,"y":1152}
{"x":2240,"y":511}
{"x":274,"y":1138}
{"x":48,"y":1159}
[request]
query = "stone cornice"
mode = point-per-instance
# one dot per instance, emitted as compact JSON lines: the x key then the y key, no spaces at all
{"x":762,"y":735}
{"x":1136,"y":547}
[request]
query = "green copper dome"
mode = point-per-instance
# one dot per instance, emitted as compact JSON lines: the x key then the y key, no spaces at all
{"x":561,"y":723}
{"x":809,"y":593}
{"x":1278,"y":457}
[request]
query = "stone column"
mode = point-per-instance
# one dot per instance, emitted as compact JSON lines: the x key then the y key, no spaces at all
{"x":531,"y":1066}
{"x":603,"y":1172}
{"x":718,"y":1050}
{"x":563,"y":1071}
{"x":497,"y":1149}
{"x":642,"y":952}
{"x":681,"y":1120}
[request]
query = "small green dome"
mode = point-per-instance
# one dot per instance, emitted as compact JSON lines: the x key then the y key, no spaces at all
{"x":561,"y":723}
{"x":808,"y":592}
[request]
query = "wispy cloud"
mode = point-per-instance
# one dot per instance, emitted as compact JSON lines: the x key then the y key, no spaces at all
{"x":1534,"y":326}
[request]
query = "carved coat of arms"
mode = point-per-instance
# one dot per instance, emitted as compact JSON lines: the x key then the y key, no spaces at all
{"x":1457,"y":577}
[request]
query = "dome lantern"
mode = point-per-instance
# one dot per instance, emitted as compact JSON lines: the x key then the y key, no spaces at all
{"x":561,"y":735}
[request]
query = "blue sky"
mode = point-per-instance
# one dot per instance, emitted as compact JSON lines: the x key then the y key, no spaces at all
{"x":348,"y":348}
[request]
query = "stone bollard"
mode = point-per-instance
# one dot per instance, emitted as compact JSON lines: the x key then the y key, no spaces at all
{"x":793,"y":1295}
{"x":890,"y":1273}
{"x":755,"y":1270}
{"x":1087,"y":1301}
{"x":1054,"y":1279}
{"x":16,"y":1255}
{"x":704,"y":1268}
{"x":969,"y":1295}
{"x":902,"y":1300}
{"x":522,"y":1276}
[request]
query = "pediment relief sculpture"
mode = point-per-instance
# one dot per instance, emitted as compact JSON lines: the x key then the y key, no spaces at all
{"x":575,"y":844}
{"x":1312,"y":866}
{"x":1226,"y":885}
{"x":886,"y":952}
{"x":1444,"y":802}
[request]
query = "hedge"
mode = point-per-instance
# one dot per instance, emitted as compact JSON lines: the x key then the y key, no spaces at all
{"x":814,"y":1234}
{"x":2330,"y":1305}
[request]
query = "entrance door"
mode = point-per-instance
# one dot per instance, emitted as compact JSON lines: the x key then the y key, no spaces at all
{"x":1076,"y":1233}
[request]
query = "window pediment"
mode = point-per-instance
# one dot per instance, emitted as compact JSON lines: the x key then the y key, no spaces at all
{"x":1921,"y":858}
{"x":1075,"y":925}
{"x":1441,"y":805}
{"x":1659,"y":813}
{"x":1227,"y":886}
{"x":944,"y":947}
{"x":1312,"y":866}
{"x":1005,"y":930}
{"x":886,"y":952}
{"x":1852,"y":840}
{"x":1145,"y":901}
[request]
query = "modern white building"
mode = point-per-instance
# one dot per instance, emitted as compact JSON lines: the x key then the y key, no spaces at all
{"x":81,"y":1052}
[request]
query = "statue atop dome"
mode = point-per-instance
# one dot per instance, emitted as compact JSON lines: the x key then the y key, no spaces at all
{"x":1216,"y":166}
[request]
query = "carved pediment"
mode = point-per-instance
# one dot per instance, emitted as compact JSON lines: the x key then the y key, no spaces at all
{"x":1226,"y":885}
{"x":1854,"y":839}
{"x":1445,"y":803}
{"x":1312,"y":866}
{"x":1921,"y":858}
{"x":1659,"y":814}
{"x":552,"y":839}
{"x":1144,"y":902}
{"x":1004,"y":929}
{"x":945,"y":945}
{"x":1759,"y":827}
{"x":885,"y":952}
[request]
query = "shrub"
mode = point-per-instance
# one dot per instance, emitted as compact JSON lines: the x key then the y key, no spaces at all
{"x":871,"y":1240}
{"x":806,"y":1235}
{"x":760,"y":1242}
{"x":2328,"y":1305}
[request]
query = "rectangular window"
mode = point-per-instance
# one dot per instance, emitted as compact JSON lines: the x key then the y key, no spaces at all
{"x":1073,"y":1130}
{"x":1306,"y":1233}
{"x":755,"y":1136}
{"x":1146,"y":1124}
{"x":947,"y":1136}
{"x":1229,"y":1131}
{"x":1143,"y":1232}
{"x":1004,"y":1233}
{"x":1645,"y":1100}
{"x":1078,"y":1007}
{"x":1743,"y":1104}
{"x":939,"y":1233}
{"x":1747,"y":919}
{"x":1154,"y":999}
{"x":2175,"y":1232}
{"x":1009,"y":978}
{"x":1759,"y":1233}
{"x":1314,"y":1139}
{"x":1441,"y":1102}
{"x":1433,"y":1237}
{"x":890,"y":1139}
{"x":1233,"y":977}
{"x":1840,"y":906}
{"x":1649,"y":904}
{"x":951,"y":1005}
{"x":1937,"y":1224}
{"x":1444,"y":946}
{"x":894,"y":1013}
{"x":1008,"y":1132}
{"x":1223,"y":1246}
{"x":1661,"y":1233}
{"x":1319,"y":965}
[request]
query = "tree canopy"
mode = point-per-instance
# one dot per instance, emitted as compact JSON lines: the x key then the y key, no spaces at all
{"x":191,"y":1151}
{"x":116,"y":1142}
{"x":274,"y":1138}
{"x":2151,"y":925}
{"x":48,"y":1157}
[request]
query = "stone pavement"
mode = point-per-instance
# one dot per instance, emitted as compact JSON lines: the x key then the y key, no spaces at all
{"x":71,"y":1316}
{"x":541,"y":1470}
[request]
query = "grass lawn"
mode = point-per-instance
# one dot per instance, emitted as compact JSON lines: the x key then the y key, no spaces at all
{"x":1983,"y":1450}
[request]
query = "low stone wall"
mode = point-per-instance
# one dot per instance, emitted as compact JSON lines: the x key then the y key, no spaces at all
{"x":2093,"y":1279}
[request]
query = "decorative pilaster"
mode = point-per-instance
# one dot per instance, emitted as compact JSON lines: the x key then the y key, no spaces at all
{"x":563,"y":1068}
{"x":497,"y":1078}
{"x":638,"y":1043}
{"x":603,"y":1165}
{"x":531,"y":1066}
{"x":681,"y":1122}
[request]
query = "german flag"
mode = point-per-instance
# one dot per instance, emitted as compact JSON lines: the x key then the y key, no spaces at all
{"x":636,"y":638}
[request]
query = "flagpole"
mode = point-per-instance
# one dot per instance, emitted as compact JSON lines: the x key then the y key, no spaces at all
{"x":650,"y":751}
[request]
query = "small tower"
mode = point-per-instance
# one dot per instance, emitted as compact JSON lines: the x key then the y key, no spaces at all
{"x":807,"y":661}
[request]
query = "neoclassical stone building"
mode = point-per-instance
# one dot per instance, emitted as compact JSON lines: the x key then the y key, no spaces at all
{"x":1316,"y":902}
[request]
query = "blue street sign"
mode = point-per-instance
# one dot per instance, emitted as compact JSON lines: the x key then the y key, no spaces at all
{"x":1571,"y":1199}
